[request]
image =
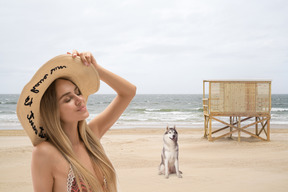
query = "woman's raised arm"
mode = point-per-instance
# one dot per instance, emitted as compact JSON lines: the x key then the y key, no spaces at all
{"x":125,"y":93}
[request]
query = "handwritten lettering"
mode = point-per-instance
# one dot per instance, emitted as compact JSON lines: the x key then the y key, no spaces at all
{"x":28,"y":101}
{"x":56,"y":68}
{"x":42,"y":134}
{"x":34,"y":90}
{"x":31,"y":118}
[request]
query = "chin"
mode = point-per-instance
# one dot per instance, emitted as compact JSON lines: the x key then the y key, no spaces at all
{"x":85,"y":116}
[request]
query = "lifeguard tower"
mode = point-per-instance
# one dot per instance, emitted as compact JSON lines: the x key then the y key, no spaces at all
{"x":239,"y":106}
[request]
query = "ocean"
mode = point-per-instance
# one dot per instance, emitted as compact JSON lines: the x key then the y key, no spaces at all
{"x":148,"y":111}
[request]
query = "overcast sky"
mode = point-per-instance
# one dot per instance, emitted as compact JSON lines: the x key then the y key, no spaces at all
{"x":162,"y":46}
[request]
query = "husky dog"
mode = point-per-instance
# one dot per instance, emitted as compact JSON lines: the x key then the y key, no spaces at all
{"x":169,"y":157}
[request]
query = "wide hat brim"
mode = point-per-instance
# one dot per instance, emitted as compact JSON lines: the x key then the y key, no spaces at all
{"x":62,"y":66}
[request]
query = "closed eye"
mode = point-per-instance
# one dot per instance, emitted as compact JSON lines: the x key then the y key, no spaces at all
{"x":67,"y":99}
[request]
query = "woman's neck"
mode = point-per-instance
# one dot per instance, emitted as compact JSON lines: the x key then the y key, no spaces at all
{"x":71,"y":130}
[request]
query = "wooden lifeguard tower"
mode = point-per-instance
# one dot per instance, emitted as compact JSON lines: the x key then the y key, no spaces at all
{"x":239,"y":106}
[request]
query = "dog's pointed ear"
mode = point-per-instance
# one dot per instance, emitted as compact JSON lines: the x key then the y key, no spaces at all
{"x":167,"y":128}
{"x":175,"y":127}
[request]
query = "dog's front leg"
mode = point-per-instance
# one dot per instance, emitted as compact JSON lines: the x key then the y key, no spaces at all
{"x":176,"y":163}
{"x":166,"y":163}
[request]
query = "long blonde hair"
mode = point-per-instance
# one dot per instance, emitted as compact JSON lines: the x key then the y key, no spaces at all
{"x":56,"y":136}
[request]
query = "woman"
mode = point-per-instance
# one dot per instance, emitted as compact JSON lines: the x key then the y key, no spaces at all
{"x":71,"y":158}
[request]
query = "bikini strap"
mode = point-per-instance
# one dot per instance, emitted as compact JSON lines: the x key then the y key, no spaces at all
{"x":70,"y":179}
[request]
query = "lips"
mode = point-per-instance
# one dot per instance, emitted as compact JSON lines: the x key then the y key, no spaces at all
{"x":82,"y":108}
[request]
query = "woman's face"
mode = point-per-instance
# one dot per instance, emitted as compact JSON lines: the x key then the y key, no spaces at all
{"x":72,"y":105}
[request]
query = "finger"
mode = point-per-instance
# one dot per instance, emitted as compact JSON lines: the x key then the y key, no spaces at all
{"x":83,"y":58}
{"x":88,"y":58}
{"x":75,"y":53}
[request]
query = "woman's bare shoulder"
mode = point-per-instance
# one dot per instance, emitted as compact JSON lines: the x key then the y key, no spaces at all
{"x":46,"y":152}
{"x":44,"y":148}
{"x":49,"y":167}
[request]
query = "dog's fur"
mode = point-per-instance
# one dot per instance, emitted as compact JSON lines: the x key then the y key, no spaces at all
{"x":169,"y":157}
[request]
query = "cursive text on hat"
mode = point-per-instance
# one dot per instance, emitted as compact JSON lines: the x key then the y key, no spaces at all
{"x":34,"y":90}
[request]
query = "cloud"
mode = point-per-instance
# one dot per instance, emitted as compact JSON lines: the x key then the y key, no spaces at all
{"x":154,"y":44}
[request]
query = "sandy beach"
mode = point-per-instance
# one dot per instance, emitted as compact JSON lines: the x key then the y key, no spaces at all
{"x":222,"y":165}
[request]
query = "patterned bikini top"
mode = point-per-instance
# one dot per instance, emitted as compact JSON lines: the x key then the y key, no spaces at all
{"x":72,"y":184}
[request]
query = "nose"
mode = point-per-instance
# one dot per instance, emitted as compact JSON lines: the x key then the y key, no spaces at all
{"x":78,"y":100}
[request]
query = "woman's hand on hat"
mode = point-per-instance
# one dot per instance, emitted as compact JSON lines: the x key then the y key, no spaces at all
{"x":86,"y":57}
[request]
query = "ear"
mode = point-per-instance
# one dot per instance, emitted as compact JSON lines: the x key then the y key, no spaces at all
{"x":175,"y":127}
{"x":167,"y":128}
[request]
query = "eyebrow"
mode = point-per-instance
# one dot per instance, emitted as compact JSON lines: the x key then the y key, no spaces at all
{"x":68,"y":93}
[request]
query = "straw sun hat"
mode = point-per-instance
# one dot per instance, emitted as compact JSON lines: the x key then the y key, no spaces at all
{"x":62,"y":66}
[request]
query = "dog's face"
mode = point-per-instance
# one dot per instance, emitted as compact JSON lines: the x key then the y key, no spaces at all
{"x":171,"y":133}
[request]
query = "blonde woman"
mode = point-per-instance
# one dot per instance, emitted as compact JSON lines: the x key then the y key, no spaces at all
{"x":67,"y":154}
